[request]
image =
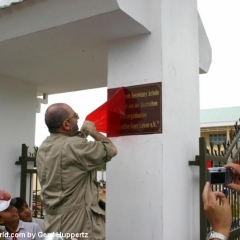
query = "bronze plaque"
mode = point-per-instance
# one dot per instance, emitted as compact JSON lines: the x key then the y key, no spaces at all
{"x":143,"y":106}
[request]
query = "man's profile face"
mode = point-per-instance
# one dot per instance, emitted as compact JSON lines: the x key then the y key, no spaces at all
{"x":74,"y":125}
{"x":73,"y":120}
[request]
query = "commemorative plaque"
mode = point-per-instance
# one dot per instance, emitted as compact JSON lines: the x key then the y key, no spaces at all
{"x":143,"y":109}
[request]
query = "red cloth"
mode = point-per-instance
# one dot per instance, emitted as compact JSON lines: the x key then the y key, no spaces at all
{"x":208,"y":164}
{"x":15,"y":234}
{"x":107,"y":117}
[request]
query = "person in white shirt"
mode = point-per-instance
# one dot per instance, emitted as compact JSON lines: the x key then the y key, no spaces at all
{"x":16,"y":229}
{"x":25,"y":213}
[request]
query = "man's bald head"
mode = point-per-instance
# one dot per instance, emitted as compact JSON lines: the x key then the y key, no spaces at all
{"x":55,"y":115}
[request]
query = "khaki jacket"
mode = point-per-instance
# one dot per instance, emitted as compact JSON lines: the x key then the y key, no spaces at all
{"x":66,"y":167}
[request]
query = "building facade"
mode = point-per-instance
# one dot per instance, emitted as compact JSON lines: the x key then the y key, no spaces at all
{"x":51,"y":46}
{"x":218,"y":126}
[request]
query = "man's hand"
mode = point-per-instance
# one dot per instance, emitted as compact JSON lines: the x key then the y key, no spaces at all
{"x":88,"y":128}
{"x":236,"y":176}
{"x":219,"y":216}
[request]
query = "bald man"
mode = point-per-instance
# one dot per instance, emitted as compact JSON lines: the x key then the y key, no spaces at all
{"x":66,"y":165}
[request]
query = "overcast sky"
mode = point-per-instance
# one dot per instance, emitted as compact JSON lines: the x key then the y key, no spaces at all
{"x":220,"y":87}
{"x":82,"y":102}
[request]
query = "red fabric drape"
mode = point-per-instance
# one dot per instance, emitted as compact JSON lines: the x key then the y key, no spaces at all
{"x":15,"y":234}
{"x":107,"y":117}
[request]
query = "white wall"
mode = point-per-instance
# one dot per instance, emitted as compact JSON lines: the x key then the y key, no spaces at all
{"x":181,"y":113}
{"x":17,"y":126}
{"x":152,"y":193}
{"x":140,"y":10}
{"x":29,"y":17}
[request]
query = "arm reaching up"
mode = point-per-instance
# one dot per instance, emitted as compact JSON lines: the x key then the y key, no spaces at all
{"x":89,"y":129}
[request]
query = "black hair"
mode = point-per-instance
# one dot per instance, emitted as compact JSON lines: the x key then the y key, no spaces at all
{"x":19,"y":203}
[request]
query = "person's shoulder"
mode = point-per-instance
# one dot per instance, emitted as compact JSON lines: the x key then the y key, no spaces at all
{"x":77,"y":138}
{"x":39,"y":222}
{"x":22,"y":223}
{"x":79,"y":134}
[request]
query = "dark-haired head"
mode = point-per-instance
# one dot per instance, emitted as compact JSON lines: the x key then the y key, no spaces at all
{"x":55,"y":115}
{"x":19,"y":203}
{"x":60,"y":118}
{"x":24,"y":212}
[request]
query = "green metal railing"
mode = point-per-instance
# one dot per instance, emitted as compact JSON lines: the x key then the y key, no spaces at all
{"x":230,"y":153}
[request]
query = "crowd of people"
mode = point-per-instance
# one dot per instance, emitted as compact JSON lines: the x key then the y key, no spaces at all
{"x":66,"y":165}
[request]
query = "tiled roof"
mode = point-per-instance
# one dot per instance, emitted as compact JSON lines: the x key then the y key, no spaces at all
{"x":8,"y":3}
{"x":230,"y":114}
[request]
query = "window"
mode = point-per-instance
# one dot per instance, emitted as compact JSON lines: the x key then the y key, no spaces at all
{"x":217,"y":138}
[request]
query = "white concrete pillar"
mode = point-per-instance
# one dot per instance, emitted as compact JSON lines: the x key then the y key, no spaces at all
{"x":17,"y":126}
{"x":152,"y":193}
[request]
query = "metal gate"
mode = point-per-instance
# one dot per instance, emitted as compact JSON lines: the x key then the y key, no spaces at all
{"x":225,"y":153}
{"x":29,"y":185}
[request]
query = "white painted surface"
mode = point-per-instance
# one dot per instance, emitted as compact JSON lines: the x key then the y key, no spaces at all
{"x":48,"y":43}
{"x":57,"y":44}
{"x":205,"y":50}
{"x":140,"y":10}
{"x":134,"y":189}
{"x":181,"y":118}
{"x":32,"y":16}
{"x":152,"y":193}
{"x":7,"y":3}
{"x":17,"y":124}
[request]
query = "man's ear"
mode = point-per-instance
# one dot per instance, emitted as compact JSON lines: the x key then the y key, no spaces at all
{"x":66,"y":126}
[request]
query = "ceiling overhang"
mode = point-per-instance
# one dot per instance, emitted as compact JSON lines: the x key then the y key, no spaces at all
{"x":67,"y":53}
{"x":63,"y":46}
